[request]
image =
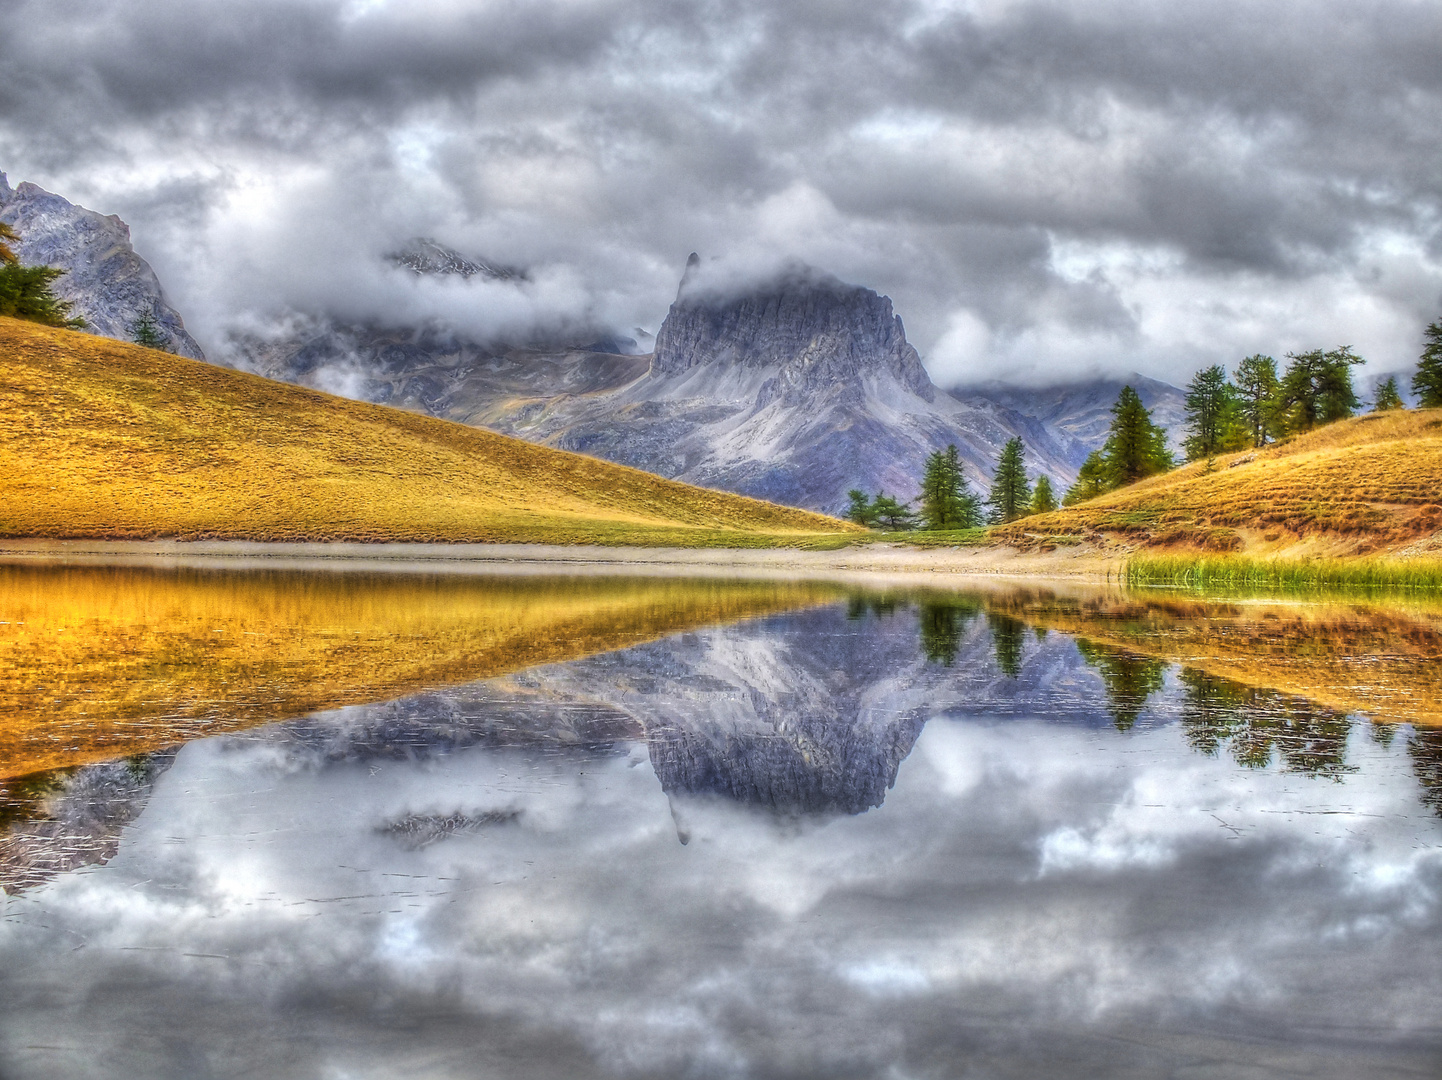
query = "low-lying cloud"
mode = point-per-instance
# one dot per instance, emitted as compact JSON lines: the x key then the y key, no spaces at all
{"x":1044,"y":190}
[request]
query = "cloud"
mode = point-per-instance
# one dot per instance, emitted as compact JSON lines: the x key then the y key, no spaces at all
{"x":1041,"y":188}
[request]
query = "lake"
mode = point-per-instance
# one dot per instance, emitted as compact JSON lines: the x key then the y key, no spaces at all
{"x":354,"y":824}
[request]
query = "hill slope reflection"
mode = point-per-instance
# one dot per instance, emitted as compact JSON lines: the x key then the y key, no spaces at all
{"x":97,"y":663}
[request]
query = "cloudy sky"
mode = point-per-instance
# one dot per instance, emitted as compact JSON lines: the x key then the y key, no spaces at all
{"x":1044,"y":189}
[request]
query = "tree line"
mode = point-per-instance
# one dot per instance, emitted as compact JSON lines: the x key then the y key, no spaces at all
{"x":1258,"y":404}
{"x":947,"y":501}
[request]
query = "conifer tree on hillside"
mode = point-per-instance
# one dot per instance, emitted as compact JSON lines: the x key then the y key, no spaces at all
{"x":891,"y":514}
{"x":1257,"y":388}
{"x":1213,"y":421}
{"x":25,"y":290}
{"x":860,"y":510}
{"x":1043,"y":499}
{"x":146,"y":331}
{"x":1317,"y":388}
{"x":1427,"y":382}
{"x":1339,"y":396}
{"x":1010,"y":496}
{"x":947,"y":501}
{"x":1135,"y":447}
{"x":1388,"y":397}
{"x":1091,"y":481}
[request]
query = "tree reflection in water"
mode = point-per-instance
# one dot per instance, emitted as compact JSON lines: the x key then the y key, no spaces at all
{"x":1258,"y":724}
{"x":941,"y":628}
{"x":1425,"y":749}
{"x":1129,"y":679}
{"x":1007,"y":636}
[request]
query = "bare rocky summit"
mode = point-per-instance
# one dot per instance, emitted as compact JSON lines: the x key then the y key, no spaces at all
{"x":109,"y":285}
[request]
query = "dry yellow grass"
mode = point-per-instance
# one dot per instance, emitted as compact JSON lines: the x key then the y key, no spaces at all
{"x":109,"y":440}
{"x":1368,"y":485}
{"x":97,"y":663}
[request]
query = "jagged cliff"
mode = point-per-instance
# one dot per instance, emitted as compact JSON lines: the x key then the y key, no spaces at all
{"x":108,"y":283}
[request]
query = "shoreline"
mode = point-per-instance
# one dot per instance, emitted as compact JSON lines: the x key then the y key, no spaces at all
{"x":870,"y":562}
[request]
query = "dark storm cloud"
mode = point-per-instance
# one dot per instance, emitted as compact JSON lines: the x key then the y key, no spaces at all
{"x":1038,"y":186}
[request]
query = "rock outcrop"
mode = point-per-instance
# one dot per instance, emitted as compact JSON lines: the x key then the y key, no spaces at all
{"x":109,"y":285}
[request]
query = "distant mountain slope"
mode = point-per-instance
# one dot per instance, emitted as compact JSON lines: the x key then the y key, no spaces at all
{"x":109,"y":284}
{"x":1359,"y":486}
{"x":106,"y":439}
{"x":794,"y":391}
{"x":1079,"y":413}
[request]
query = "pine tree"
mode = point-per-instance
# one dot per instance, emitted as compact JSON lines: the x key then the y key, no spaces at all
{"x":7,"y":253}
{"x":146,"y":331}
{"x":25,"y":290}
{"x":1317,"y":388}
{"x":1091,"y":481}
{"x":1010,"y":496}
{"x":1338,"y":396}
{"x":1427,"y":382}
{"x":1043,"y":500}
{"x":1135,"y":447}
{"x":947,"y":501}
{"x":860,"y":510}
{"x":25,"y":294}
{"x":1388,"y":397}
{"x":891,"y":514}
{"x":1257,"y":389}
{"x":1213,"y":422}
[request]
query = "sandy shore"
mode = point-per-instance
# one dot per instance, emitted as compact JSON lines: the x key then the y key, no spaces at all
{"x":873,"y":563}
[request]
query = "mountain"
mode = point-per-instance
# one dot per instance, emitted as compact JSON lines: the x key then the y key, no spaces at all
{"x":793,"y":390}
{"x":1079,"y":413}
{"x":423,"y":256}
{"x":109,"y":284}
{"x":110,"y":440}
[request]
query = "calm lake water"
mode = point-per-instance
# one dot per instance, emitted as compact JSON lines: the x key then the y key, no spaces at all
{"x":335,"y":825}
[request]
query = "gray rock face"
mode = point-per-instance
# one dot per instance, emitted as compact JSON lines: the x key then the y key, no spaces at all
{"x":795,"y":391}
{"x":108,"y":283}
{"x":423,"y":256}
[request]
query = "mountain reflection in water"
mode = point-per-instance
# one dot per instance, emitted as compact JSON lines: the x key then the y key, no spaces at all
{"x":1008,"y":833}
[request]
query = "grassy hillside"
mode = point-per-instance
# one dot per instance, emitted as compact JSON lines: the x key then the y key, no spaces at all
{"x":1367,"y":486}
{"x":109,"y":440}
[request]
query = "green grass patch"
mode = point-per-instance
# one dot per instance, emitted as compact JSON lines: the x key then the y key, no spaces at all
{"x":1233,"y":572}
{"x":938,"y":538}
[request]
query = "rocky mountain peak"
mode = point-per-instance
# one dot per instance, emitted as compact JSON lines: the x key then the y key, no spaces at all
{"x":801,"y":320}
{"x":425,"y":257}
